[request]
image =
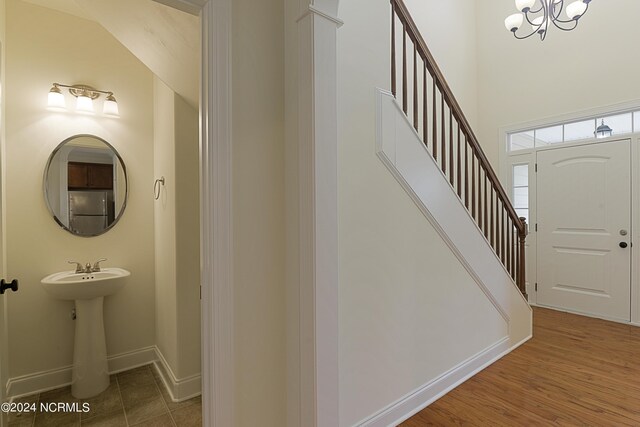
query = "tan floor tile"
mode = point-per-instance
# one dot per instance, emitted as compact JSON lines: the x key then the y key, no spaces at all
{"x":190,"y":416}
{"x":24,"y":418}
{"x":27,"y":399}
{"x":161,"y":421}
{"x":144,"y":410}
{"x":112,"y":419}
{"x":22,"y":422}
{"x":136,"y":394}
{"x":135,"y":377}
{"x":106,"y":402}
{"x":57,"y":419}
{"x":59,"y":395}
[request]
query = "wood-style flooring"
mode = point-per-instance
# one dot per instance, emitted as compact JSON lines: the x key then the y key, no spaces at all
{"x":575,"y":371}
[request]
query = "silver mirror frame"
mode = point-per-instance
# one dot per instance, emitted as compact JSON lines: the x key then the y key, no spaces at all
{"x":46,"y":192}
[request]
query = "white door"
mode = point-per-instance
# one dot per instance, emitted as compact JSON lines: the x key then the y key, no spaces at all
{"x":584,"y":235}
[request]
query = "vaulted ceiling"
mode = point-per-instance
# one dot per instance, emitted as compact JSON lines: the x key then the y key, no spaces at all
{"x":165,"y":39}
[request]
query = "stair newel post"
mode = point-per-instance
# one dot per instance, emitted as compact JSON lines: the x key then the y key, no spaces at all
{"x":522,"y":236}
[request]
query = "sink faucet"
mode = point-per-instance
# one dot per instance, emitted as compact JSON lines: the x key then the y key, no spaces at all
{"x":87,"y":269}
{"x":96,"y":265}
{"x":79,"y":267}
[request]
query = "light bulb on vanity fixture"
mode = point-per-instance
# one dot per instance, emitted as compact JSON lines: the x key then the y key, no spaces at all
{"x":85,"y":95}
{"x":110,"y":106}
{"x":56,"y":98}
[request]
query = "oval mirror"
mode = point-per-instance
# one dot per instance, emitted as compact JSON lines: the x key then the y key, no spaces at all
{"x":85,"y":185}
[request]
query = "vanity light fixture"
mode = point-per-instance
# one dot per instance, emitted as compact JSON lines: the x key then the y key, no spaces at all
{"x":85,"y":95}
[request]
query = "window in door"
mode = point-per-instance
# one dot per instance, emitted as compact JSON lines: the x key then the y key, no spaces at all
{"x":521,"y":190}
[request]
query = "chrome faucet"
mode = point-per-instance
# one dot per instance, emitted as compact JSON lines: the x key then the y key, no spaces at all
{"x":87,"y":269}
{"x":79,"y":267}
{"x":96,"y":265}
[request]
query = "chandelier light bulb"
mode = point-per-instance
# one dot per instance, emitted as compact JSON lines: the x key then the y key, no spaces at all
{"x":524,"y":5}
{"x":576,"y":9}
{"x":514,"y":22}
{"x":538,"y":22}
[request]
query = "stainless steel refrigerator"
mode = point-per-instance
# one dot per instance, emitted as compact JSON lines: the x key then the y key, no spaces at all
{"x":90,"y":212}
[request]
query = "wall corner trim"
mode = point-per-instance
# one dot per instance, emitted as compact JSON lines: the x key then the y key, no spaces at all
{"x":314,"y":10}
{"x":216,"y":216}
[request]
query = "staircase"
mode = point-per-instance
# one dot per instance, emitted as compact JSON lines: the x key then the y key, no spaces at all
{"x":428,"y":103}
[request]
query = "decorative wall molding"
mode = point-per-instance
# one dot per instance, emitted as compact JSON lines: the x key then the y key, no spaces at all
{"x":216,"y":247}
{"x":179,"y":389}
{"x":316,"y":140}
{"x":312,"y":9}
{"x":400,"y":148}
{"x":38,"y":382}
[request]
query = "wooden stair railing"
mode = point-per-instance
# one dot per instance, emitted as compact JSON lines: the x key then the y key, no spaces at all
{"x":445,"y":131}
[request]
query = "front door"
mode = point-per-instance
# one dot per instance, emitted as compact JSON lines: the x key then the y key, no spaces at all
{"x":584,"y":234}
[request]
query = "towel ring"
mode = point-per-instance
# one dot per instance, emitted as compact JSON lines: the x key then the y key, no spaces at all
{"x":157,"y":187}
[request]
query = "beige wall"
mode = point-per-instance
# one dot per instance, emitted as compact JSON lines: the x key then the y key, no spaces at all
{"x":177,"y":250}
{"x":523,"y":80}
{"x":38,"y":54}
{"x":187,"y":236}
{"x":406,"y":302}
{"x":449,"y":28}
{"x":165,"y":224}
{"x":258,"y":212}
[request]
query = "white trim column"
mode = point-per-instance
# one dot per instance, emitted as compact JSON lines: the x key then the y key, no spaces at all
{"x":317,"y":225}
{"x":216,"y":216}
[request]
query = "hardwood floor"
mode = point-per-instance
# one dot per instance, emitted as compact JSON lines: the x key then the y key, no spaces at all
{"x":575,"y":371}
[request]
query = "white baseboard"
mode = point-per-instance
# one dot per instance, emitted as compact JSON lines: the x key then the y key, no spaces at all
{"x":179,"y":389}
{"x":419,"y":399}
{"x":133,"y":359}
{"x":39,"y":382}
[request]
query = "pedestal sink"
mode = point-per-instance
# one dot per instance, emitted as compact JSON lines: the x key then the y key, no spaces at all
{"x":90,"y":372}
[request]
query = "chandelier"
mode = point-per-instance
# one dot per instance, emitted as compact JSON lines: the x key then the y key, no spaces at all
{"x":546,"y":12}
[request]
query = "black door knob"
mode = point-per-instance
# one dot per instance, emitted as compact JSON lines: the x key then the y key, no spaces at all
{"x":4,"y":286}
{"x":623,"y":245}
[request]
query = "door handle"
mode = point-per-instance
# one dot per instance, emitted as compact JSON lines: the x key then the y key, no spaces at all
{"x":623,"y":245}
{"x":4,"y":286}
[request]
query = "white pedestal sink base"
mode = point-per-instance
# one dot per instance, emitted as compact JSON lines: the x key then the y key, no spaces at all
{"x":90,"y":371}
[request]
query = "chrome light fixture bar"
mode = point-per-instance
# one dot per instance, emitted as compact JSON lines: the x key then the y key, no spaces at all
{"x":546,"y":12}
{"x":85,"y":95}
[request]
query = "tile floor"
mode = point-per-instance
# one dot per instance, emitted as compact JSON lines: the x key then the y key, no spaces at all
{"x":134,"y":398}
